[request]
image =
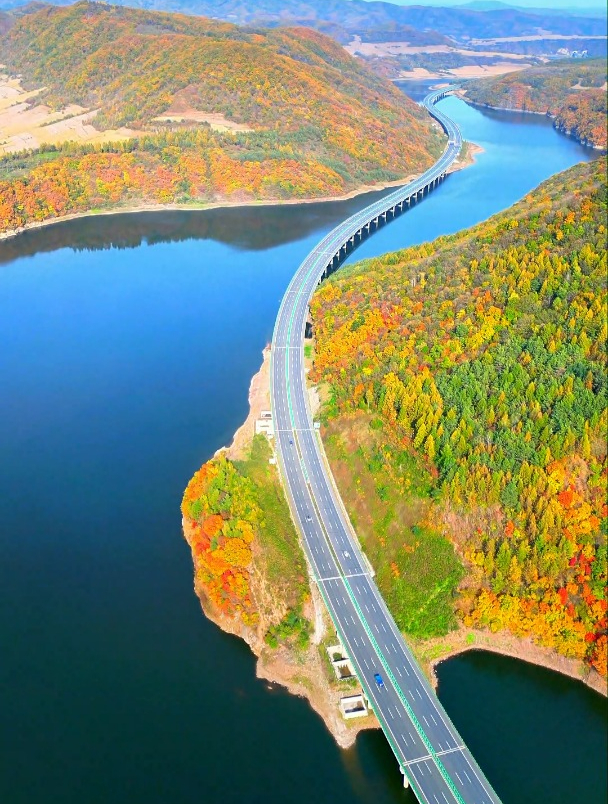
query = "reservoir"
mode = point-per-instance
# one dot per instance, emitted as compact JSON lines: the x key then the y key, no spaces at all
{"x":128,"y":345}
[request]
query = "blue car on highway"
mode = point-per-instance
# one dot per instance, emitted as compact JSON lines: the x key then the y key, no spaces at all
{"x":378,"y":680}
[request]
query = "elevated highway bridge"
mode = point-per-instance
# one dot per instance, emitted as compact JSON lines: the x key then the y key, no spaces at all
{"x":431,"y":754}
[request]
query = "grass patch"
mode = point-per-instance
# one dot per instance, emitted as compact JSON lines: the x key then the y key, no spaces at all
{"x":279,"y":541}
{"x":280,"y":555}
{"x":432,"y":653}
{"x":387,"y":493}
{"x":420,"y":581}
{"x":304,"y":681}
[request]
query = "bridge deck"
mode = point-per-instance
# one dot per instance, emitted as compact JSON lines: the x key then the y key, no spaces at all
{"x":430,"y":752}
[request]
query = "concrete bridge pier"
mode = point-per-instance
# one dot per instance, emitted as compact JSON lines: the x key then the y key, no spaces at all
{"x":331,"y":266}
{"x":405,"y":779}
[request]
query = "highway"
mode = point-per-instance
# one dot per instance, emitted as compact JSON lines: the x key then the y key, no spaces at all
{"x":429,"y":750}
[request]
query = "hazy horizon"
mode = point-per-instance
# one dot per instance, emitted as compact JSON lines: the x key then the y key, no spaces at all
{"x":570,"y":5}
{"x":563,"y":5}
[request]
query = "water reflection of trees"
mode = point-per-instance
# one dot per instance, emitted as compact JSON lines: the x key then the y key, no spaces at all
{"x":246,"y":228}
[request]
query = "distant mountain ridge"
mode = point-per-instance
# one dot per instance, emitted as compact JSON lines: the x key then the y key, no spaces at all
{"x":344,"y":19}
{"x":497,"y":5}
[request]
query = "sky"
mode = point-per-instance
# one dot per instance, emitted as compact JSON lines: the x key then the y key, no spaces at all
{"x":569,"y":4}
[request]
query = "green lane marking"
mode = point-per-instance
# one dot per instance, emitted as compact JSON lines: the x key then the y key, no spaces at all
{"x":299,"y":293}
{"x":422,"y":734}
{"x":364,"y":622}
{"x":385,"y":728}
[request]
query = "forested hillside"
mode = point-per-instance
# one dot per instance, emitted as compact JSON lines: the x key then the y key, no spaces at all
{"x":573,"y":92}
{"x":248,"y":563}
{"x":309,"y":119}
{"x":132,"y":63}
{"x":468,"y":398}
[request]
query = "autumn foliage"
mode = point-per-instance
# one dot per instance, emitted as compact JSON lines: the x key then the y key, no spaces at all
{"x":572,"y":92}
{"x":484,"y":355}
{"x":320,"y":123}
{"x":248,"y":560}
{"x":221,"y":518}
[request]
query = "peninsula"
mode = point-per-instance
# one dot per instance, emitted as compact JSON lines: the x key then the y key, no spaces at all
{"x":571,"y":91}
{"x":426,"y":532}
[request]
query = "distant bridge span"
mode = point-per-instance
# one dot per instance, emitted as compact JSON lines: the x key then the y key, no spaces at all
{"x":431,"y":754}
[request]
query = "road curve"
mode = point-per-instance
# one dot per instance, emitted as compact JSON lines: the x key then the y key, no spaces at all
{"x":430,"y":752}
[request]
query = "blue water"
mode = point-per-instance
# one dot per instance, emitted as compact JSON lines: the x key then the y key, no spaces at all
{"x":128,"y":344}
{"x":551,"y":730}
{"x":519,"y":152}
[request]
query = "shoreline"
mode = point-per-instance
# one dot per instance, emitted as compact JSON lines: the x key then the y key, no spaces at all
{"x":309,"y":680}
{"x":462,"y":94}
{"x":304,"y":675}
{"x":227,"y":204}
{"x":504,"y":643}
{"x":202,"y":206}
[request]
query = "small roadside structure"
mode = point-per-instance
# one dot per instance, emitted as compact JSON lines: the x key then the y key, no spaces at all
{"x":353,"y":706}
{"x":340,"y":662}
{"x":265,"y":425}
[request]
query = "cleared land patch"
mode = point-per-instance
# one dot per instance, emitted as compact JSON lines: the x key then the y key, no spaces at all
{"x":25,"y":125}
